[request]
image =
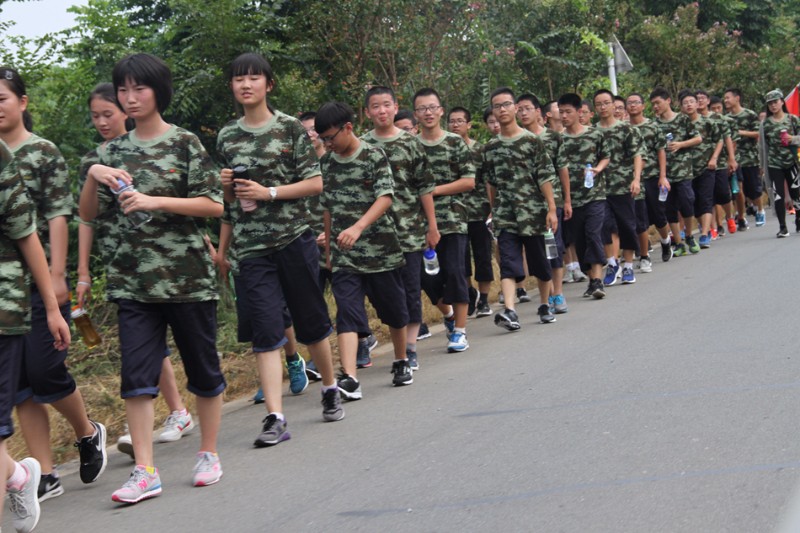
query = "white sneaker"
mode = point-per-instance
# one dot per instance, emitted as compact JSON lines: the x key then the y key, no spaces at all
{"x":646,"y":265}
{"x":24,"y":502}
{"x":578,"y":276}
{"x":568,"y":277}
{"x":175,"y":426}
{"x":125,"y":445}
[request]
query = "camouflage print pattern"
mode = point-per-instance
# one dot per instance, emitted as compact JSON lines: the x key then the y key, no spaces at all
{"x":412,"y":179}
{"x":712,"y":131}
{"x":277,"y":153}
{"x":229,"y":218}
{"x":449,"y":160}
{"x":552,"y":143}
{"x":477,"y":200}
{"x":652,"y":142}
{"x":352,"y":184}
{"x":679,"y":164}
{"x":105,"y":244}
{"x":517,"y":168}
{"x":622,"y":143}
{"x":17,"y":220}
{"x":576,"y":152}
{"x":729,"y":131}
{"x":44,"y":171}
{"x":746,"y":148}
{"x":164,"y":260}
{"x":779,"y":156}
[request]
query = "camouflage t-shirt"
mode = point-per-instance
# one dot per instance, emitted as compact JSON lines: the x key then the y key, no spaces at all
{"x":679,"y":164}
{"x":164,"y":260}
{"x":449,"y":160}
{"x":105,"y":243}
{"x":44,"y":170}
{"x":517,"y":167}
{"x":780,"y":156}
{"x":277,"y":153}
{"x":351,"y":186}
{"x":653,"y":141}
{"x":712,"y":131}
{"x":476,"y":200}
{"x":746,"y":147}
{"x":552,"y":142}
{"x":412,"y":179}
{"x":576,"y":152}
{"x":622,"y":145}
{"x":729,"y":131}
{"x":17,"y":220}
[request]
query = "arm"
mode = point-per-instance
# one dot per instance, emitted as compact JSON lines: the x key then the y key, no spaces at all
{"x":326,"y":220}
{"x":85,"y":239}
{"x":226,"y":179}
{"x":59,"y":241}
{"x":662,"y":169}
{"x":102,"y":175}
{"x":200,"y":206}
{"x":563,"y":177}
{"x":636,"y":184}
{"x":433,"y":236}
{"x":455,"y":187}
{"x":748,"y":134}
{"x":712,"y":162}
{"x":682,"y":145}
{"x":347,"y":238}
{"x":601,"y":166}
{"x":547,"y":191}
{"x":492,"y":190}
{"x":250,"y":190}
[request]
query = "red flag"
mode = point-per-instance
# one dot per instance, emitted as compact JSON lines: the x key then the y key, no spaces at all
{"x":793,"y":101}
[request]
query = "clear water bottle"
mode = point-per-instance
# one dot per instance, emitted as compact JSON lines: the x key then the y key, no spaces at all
{"x":430,"y":261}
{"x":240,"y":172}
{"x":550,"y":246}
{"x":663,"y":192}
{"x":588,"y":176}
{"x":137,"y":218}
{"x":670,"y":137}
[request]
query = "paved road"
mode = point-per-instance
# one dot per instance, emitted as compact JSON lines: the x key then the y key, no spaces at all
{"x":671,"y":406}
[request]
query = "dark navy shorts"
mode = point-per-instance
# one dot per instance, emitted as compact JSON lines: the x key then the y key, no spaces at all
{"x":12,"y":350}
{"x":751,"y":182}
{"x":511,"y":247}
{"x":480,"y":244}
{"x":244,"y":331}
{"x":656,"y":210}
{"x":587,"y":222}
{"x":411,"y":274}
{"x":680,"y":199}
{"x":722,"y":186}
{"x":620,"y":218}
{"x":385,"y":292}
{"x":642,"y":220}
{"x":703,"y":186}
{"x":450,"y":284}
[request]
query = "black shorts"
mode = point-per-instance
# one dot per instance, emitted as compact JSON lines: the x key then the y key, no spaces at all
{"x":411,"y":274}
{"x":44,"y":375}
{"x":752,"y":186}
{"x":450,"y":284}
{"x":620,"y":218}
{"x":703,"y":186}
{"x":142,"y":329}
{"x":568,"y":233}
{"x":480,"y":242}
{"x":656,"y":210}
{"x":289,"y":278}
{"x":722,"y":186}
{"x":511,"y":247}
{"x":324,"y":277}
{"x":680,"y":199}
{"x":587,"y":221}
{"x":244,"y":329}
{"x":558,"y":262}
{"x":12,"y":350}
{"x":642,"y":220}
{"x":385,"y":292}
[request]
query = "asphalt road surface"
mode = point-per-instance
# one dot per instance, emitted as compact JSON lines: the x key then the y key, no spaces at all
{"x":670,"y":406}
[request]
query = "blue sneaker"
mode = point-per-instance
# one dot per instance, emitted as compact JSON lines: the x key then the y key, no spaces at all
{"x":450,"y":325}
{"x":424,"y":332}
{"x":705,"y":241}
{"x":559,"y":304}
{"x":458,"y":342}
{"x":412,"y":360}
{"x":259,"y":397}
{"x":627,"y":276}
{"x":683,"y":235}
{"x":298,"y":380}
{"x":761,"y":219}
{"x":611,"y":275}
{"x":363,"y":360}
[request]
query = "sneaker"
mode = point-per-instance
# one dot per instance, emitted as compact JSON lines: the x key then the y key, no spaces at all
{"x":508,"y":319}
{"x":559,"y":304}
{"x":259,"y":396}
{"x":24,"y":502}
{"x":472,"y":302}
{"x":741,"y":225}
{"x":402,"y":373}
{"x":705,"y":242}
{"x":784,"y":232}
{"x":646,"y":266}
{"x":372,"y":342}
{"x":501,"y":299}
{"x":761,"y":219}
{"x":413,"y":362}
{"x":627,"y":276}
{"x":611,"y":275}
{"x":207,"y":470}
{"x":522,"y":296}
{"x":273,"y":432}
{"x":545,"y":316}
{"x":721,"y":231}
{"x":568,"y":277}
{"x":49,"y":486}
{"x":731,"y":226}
{"x":450,"y":325}
{"x":683,"y":235}
{"x":750,"y":210}
{"x":483,"y":309}
{"x":298,"y":380}
{"x":714,"y":233}
{"x":680,"y":250}
{"x":363,"y":360}
{"x":692,"y":244}
{"x":140,"y":486}
{"x":598,"y":291}
{"x":332,"y":410}
{"x":311,"y":373}
{"x":578,"y":276}
{"x":92,"y":450}
{"x":176,"y":425}
{"x":457,"y":342}
{"x":125,"y":444}
{"x":424,"y":332}
{"x":589,"y":289}
{"x":349,"y":387}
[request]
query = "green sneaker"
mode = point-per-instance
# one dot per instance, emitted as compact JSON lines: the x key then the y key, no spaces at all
{"x":680,"y":249}
{"x":298,"y":380}
{"x":693,"y":246}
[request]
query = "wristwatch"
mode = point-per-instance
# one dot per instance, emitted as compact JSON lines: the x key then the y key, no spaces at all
{"x":273,"y":193}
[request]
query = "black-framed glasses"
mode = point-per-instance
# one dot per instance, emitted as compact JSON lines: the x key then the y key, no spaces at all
{"x":503,"y":105}
{"x":426,"y":108}
{"x":457,"y":122}
{"x":330,"y":139}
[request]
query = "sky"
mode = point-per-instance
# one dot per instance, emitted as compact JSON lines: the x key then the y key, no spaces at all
{"x":34,"y":18}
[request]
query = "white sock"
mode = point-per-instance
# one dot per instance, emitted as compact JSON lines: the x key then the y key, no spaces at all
{"x":279,"y":416}
{"x":462,"y":330}
{"x":612,"y":261}
{"x":665,"y":241}
{"x":627,"y":265}
{"x":18,"y":478}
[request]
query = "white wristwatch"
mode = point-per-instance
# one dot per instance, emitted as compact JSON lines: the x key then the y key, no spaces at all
{"x":273,"y":193}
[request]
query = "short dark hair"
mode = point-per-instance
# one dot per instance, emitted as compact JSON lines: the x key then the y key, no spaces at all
{"x":501,"y":90}
{"x":660,"y":92}
{"x":406,"y":114}
{"x":104,"y":91}
{"x":148,"y":70}
{"x":251,"y":63}
{"x":426,"y":91}
{"x":686,"y":93}
{"x":714,"y":99}
{"x":588,"y":103}
{"x":529,"y":97}
{"x":333,"y":115}
{"x":602,"y":91}
{"x":698,"y":92}
{"x":735,"y":91}
{"x":306,"y":115}
{"x":635,"y":94}
{"x":378,"y":90}
{"x":570,"y":99}
{"x":548,"y":106}
{"x":459,"y":109}
{"x":486,"y":114}
{"x":618,"y":98}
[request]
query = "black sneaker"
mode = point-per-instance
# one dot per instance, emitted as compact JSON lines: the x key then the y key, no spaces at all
{"x":50,"y":487}
{"x":93,"y":453}
{"x":349,"y":388}
{"x":332,"y":405}
{"x":545,"y":315}
{"x":311,"y":371}
{"x":363,"y":360}
{"x":424,"y":332}
{"x":741,"y":225}
{"x":666,"y":252}
{"x":372,"y":342}
{"x":751,"y":210}
{"x":402,"y":373}
{"x":522,"y":295}
{"x":589,"y":289}
{"x":598,"y":291}
{"x":796,"y":227}
{"x":472,"y":302}
{"x":273,"y":432}
{"x":507,"y":319}
{"x":483,"y":309}
{"x":413,"y":361}
{"x":784,"y":232}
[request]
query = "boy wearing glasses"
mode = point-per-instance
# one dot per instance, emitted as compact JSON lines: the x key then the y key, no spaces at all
{"x":454,"y":173}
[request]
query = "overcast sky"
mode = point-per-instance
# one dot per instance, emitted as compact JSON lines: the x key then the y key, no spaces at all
{"x":35,"y":18}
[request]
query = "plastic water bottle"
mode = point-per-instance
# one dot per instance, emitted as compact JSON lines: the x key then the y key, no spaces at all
{"x":137,"y":218}
{"x":430,"y":261}
{"x":670,"y":137}
{"x":240,"y":172}
{"x":84,"y":324}
{"x":734,"y":184}
{"x":550,"y":246}
{"x":662,"y":194}
{"x":588,"y":176}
